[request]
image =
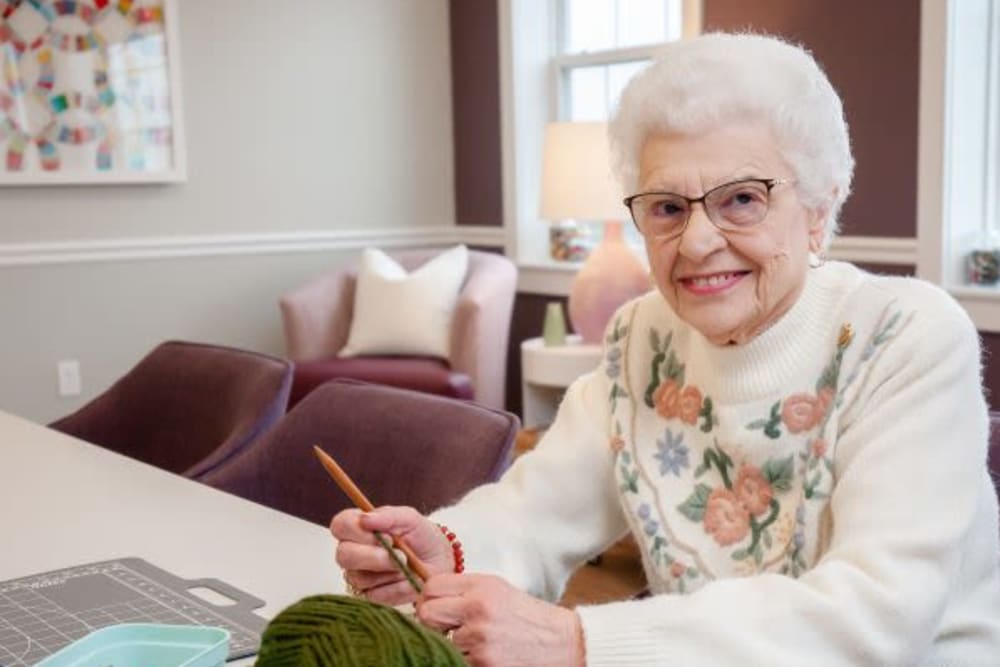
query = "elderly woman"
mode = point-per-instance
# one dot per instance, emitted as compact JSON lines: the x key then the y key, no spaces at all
{"x":798,"y":446}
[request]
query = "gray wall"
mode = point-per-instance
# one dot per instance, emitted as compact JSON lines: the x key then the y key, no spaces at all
{"x":317,"y":115}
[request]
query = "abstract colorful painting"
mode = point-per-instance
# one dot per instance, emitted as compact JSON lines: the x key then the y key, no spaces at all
{"x":89,"y":92}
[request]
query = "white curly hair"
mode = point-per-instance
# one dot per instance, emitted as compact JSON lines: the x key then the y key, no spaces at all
{"x":715,"y":78}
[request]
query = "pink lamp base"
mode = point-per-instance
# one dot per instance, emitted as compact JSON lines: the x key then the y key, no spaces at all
{"x":611,"y":276}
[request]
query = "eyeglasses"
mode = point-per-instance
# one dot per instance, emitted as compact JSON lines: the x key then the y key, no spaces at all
{"x":730,"y":206}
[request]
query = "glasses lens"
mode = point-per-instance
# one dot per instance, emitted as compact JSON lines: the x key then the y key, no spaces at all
{"x":738,"y":204}
{"x":659,"y":214}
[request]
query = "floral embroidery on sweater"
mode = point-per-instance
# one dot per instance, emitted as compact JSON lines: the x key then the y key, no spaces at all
{"x":671,"y":398}
{"x":742,"y":506}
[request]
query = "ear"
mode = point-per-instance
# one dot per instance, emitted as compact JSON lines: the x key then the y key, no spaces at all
{"x":818,"y":221}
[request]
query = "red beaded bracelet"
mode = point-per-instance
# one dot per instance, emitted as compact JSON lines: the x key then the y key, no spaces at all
{"x":456,"y":548}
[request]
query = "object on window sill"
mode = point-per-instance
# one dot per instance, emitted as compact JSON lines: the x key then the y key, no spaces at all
{"x":983,"y":262}
{"x":569,"y":242}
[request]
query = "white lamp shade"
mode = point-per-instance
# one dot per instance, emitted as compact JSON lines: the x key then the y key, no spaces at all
{"x":576,"y":174}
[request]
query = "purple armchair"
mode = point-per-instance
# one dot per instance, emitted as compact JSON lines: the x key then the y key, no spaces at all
{"x":186,"y":407}
{"x":399,"y":446}
{"x":317,"y":319}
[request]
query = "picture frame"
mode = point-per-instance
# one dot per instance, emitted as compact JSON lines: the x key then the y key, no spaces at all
{"x":90,"y":92}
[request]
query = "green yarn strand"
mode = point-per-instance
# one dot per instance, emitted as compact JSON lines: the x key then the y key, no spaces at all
{"x":334,"y":630}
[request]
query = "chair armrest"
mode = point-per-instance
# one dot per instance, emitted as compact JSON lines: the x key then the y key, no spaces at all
{"x":317,"y":316}
{"x":481,"y":326}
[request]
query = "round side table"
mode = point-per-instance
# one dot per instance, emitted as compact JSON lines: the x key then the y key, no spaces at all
{"x":546,"y":372}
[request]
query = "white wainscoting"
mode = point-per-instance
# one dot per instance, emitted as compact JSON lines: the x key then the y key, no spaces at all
{"x":173,"y":247}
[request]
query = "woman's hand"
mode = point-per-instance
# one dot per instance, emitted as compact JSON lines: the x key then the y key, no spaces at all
{"x":493,"y":623}
{"x":366,"y":564}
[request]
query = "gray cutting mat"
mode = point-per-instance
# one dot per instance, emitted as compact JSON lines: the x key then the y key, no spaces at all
{"x":42,"y":613}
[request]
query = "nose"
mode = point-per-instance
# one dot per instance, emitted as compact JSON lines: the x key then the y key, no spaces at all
{"x":700,"y":237}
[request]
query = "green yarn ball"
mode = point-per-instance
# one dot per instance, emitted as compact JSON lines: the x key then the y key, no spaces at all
{"x":329,"y":630}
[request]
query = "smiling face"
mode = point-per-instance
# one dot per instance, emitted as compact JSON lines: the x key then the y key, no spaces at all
{"x":730,"y":285}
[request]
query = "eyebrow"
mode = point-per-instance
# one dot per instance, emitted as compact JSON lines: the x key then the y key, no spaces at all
{"x":735,"y":178}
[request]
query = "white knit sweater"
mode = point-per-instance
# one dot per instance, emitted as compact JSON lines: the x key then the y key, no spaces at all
{"x":818,"y":496}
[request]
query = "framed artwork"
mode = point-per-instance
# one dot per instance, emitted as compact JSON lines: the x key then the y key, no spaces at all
{"x":90,"y":92}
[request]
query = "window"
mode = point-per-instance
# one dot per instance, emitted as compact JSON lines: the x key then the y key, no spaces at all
{"x":959,"y":172}
{"x":601,"y":45}
{"x":568,"y":60}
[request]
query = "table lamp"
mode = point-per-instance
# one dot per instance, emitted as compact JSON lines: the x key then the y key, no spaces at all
{"x":577,"y":184}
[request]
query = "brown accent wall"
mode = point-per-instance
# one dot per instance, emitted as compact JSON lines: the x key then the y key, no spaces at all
{"x":871,"y":53}
{"x":475,"y":81}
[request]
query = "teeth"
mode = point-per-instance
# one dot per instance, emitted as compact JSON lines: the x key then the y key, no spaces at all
{"x":712,"y":281}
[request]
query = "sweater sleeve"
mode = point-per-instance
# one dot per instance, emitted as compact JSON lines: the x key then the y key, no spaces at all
{"x":909,"y":470}
{"x":554,"y":508}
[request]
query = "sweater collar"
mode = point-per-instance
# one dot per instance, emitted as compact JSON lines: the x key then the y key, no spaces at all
{"x":774,"y":361}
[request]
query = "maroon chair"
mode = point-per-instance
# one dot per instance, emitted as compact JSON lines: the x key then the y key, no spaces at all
{"x":400,"y":446}
{"x":186,"y":407}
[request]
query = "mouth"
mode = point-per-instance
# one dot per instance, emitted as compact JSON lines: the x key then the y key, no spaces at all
{"x":712,"y":283}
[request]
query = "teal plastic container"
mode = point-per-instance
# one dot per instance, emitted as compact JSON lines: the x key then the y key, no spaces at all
{"x":145,"y":645}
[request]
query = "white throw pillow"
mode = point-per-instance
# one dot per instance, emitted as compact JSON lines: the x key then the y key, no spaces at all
{"x":400,"y":313}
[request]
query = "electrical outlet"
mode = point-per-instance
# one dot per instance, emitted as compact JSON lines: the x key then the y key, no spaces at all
{"x":69,"y":377}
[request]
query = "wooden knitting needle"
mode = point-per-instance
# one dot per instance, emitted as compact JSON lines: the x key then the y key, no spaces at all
{"x":358,"y":498}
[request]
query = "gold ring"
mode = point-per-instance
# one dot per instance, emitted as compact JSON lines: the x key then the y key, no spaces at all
{"x":352,"y":590}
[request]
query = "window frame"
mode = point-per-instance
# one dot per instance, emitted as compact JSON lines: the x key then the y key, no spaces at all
{"x":958,"y":150}
{"x":530,"y":62}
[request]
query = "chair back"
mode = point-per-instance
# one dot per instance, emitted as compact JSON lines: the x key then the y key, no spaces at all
{"x":401,"y":447}
{"x":186,"y":407}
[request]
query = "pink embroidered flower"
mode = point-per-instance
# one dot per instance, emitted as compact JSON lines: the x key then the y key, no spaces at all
{"x":799,"y":412}
{"x":617,"y":443}
{"x":726,"y":520}
{"x":677,"y":569}
{"x":753,"y":490}
{"x":690,"y":404}
{"x":667,"y":398}
{"x":819,"y":448}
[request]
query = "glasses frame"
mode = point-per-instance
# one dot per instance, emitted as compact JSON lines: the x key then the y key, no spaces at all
{"x":769,"y":183}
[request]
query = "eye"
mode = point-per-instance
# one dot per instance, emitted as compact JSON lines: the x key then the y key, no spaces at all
{"x":666,"y":207}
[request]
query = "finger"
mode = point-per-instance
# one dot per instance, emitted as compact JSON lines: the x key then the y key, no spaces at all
{"x":441,"y":613}
{"x":354,"y":556}
{"x":346,"y":527}
{"x":397,"y":520}
{"x":400,"y":592}
{"x":364,"y":579}
{"x":450,"y":585}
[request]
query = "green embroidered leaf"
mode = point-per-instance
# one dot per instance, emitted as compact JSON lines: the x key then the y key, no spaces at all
{"x":694,"y":507}
{"x":654,"y":379}
{"x":701,"y":470}
{"x":654,"y":339}
{"x":771,"y":429}
{"x":691,"y":573}
{"x":666,"y":342}
{"x":779,"y":472}
{"x":814,"y":480}
{"x":631,"y":480}
{"x":739,"y":554}
{"x":828,"y":463}
{"x":706,"y":414}
{"x":766,"y":538}
{"x":758,"y":554}
{"x":626,"y":457}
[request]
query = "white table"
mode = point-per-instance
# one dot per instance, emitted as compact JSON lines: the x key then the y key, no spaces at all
{"x":64,"y":502}
{"x":546,"y":372}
